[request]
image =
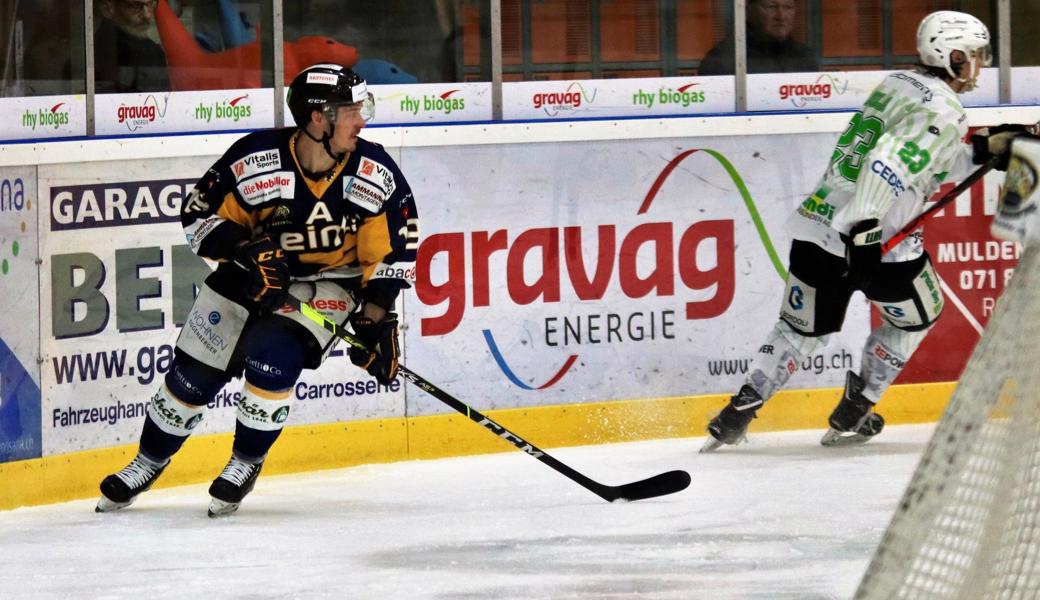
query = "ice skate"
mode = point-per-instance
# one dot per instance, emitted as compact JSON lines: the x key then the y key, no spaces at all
{"x":853,"y":420}
{"x":233,"y":484}
{"x":730,"y":425}
{"x":119,"y":490}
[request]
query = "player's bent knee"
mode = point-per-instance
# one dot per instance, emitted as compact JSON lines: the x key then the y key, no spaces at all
{"x":192,"y":382}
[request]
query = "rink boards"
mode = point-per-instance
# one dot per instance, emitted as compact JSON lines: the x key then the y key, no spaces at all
{"x":581,"y":282}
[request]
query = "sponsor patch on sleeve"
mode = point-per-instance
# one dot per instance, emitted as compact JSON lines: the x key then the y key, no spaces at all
{"x":366,"y":195}
{"x":378,"y":174}
{"x":397,"y":270}
{"x":261,"y":189}
{"x":256,"y":163}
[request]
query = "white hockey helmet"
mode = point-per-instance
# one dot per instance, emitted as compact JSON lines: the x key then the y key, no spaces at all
{"x":944,"y":31}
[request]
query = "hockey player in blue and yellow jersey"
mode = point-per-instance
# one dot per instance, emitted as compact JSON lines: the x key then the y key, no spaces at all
{"x":313,"y":211}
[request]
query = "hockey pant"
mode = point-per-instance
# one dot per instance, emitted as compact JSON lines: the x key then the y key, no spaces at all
{"x":224,"y":339}
{"x":906,"y":295}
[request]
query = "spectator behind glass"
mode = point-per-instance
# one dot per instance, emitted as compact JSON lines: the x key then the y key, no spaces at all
{"x":770,"y":47}
{"x":125,"y":57}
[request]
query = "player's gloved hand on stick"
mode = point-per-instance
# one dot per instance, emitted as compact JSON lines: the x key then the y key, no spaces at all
{"x":863,"y":252}
{"x":996,"y":141}
{"x":268,"y":271}
{"x":380,"y":360}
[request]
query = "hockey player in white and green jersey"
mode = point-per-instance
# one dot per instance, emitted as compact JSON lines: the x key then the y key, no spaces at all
{"x":895,"y":152}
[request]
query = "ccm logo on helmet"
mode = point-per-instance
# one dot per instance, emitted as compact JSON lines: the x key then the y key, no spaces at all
{"x":885,"y":356}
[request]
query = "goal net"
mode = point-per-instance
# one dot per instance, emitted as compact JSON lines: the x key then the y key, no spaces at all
{"x":968,"y":525}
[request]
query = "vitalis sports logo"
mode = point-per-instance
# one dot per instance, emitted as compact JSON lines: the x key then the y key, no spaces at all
{"x":54,"y":117}
{"x":800,"y":94}
{"x":226,"y":110}
{"x":569,"y":100}
{"x":673,"y":254}
{"x":136,"y":116}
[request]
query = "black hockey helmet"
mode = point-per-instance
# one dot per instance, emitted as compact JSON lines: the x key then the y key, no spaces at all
{"x":325,"y":87}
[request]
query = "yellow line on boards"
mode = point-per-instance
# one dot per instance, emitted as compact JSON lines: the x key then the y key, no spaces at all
{"x":336,"y":445}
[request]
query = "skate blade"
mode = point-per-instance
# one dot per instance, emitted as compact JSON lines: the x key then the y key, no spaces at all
{"x":219,"y":508}
{"x":105,"y":505}
{"x":710,"y":445}
{"x":834,"y":438}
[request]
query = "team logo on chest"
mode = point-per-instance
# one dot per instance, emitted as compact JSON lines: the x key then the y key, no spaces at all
{"x":321,"y":232}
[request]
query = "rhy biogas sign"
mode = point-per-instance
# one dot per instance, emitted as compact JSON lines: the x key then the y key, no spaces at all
{"x":663,"y":271}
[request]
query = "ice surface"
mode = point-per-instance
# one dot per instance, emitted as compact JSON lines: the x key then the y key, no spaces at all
{"x":781,"y":517}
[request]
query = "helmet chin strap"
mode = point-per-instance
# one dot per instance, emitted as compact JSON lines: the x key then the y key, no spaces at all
{"x":324,"y":141}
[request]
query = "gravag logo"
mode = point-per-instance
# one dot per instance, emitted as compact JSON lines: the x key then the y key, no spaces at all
{"x":795,"y":298}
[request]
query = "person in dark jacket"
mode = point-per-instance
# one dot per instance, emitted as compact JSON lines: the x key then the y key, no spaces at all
{"x":125,"y":57}
{"x":770,"y":47}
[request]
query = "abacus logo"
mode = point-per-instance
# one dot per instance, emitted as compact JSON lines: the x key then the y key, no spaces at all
{"x":12,"y":199}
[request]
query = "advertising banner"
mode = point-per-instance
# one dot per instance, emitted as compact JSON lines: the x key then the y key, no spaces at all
{"x":432,"y":103}
{"x":840,"y":90}
{"x":574,"y":272}
{"x":169,"y":112}
{"x":1025,"y":85}
{"x":638,"y":97}
{"x":19,"y":321}
{"x":118,"y":281}
{"x":37,"y":117}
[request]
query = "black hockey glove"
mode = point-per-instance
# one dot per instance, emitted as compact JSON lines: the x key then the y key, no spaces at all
{"x":995,"y":141}
{"x":380,"y":360}
{"x":268,"y":272}
{"x":863,"y":252}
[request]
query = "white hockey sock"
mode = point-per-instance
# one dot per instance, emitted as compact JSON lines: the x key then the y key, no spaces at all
{"x":779,"y":357}
{"x":884,"y":356}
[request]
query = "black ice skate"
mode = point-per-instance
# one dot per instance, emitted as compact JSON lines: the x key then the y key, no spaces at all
{"x":119,"y":490}
{"x":232,"y":486}
{"x":853,"y":420}
{"x":730,"y":426}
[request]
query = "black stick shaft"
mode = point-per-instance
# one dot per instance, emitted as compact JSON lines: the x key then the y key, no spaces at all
{"x":659,"y":485}
{"x":948,"y":197}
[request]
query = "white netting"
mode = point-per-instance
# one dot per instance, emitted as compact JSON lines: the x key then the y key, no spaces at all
{"x":968,"y":525}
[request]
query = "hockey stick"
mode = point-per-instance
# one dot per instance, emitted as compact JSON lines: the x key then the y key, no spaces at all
{"x":658,"y":485}
{"x":940,"y":204}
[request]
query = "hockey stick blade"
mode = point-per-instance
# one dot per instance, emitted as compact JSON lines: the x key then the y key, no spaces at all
{"x":658,"y":485}
{"x":652,"y":487}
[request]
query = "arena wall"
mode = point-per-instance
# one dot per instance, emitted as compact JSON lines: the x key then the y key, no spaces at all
{"x":581,"y":282}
